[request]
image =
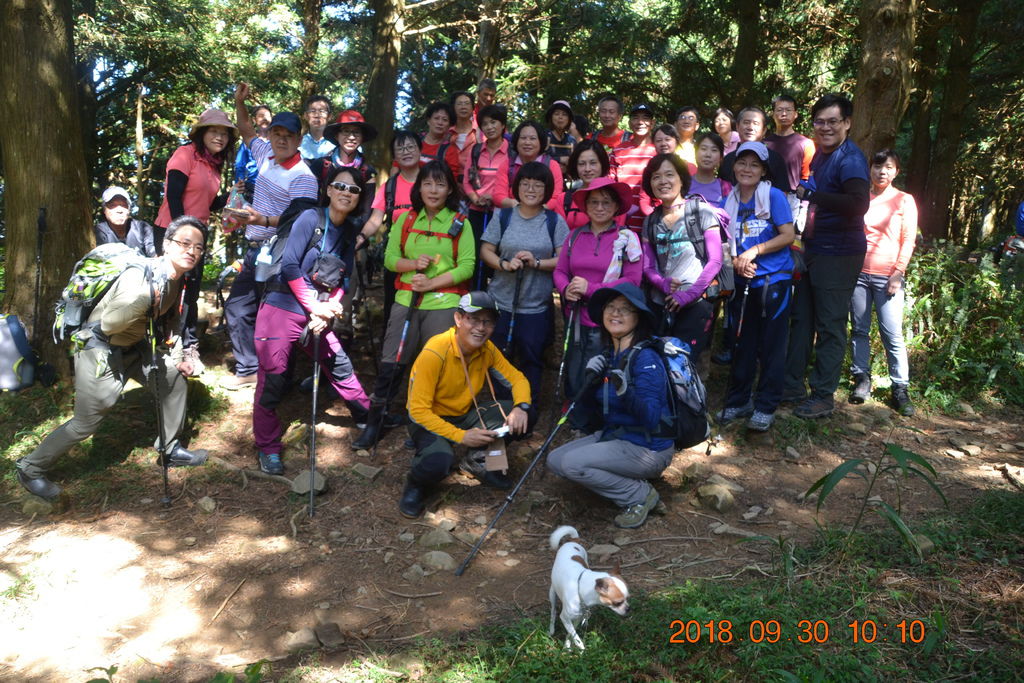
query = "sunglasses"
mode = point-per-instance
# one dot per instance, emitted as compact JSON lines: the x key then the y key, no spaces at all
{"x":345,"y":187}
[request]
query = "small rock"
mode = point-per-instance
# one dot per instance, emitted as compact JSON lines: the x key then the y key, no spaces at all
{"x":603,"y":550}
{"x":926,"y":544}
{"x":957,"y":442}
{"x":972,"y":449}
{"x":785,"y":523}
{"x":303,"y":639}
{"x":323,"y":605}
{"x":621,"y":540}
{"x":732,"y":531}
{"x":857,"y":428}
{"x":518,"y":532}
{"x":189,"y":540}
{"x":206,"y":504}
{"x":367,"y":471}
{"x":722,"y":481}
{"x":446,"y":525}
{"x":953,"y":453}
{"x":1007,"y":447}
{"x":501,"y":553}
{"x":716,"y":497}
{"x":145,"y":501}
{"x":467,"y":537}
{"x":362,"y":453}
{"x":696,"y":470}
{"x":1019,"y":445}
{"x":966,"y":408}
{"x":537,"y":497}
{"x":752,"y":512}
{"x":388,"y":556}
{"x":334,"y":535}
{"x":792,"y":453}
{"x":34,"y":505}
{"x":329,"y":634}
{"x":436,"y":538}
{"x":990,"y":431}
{"x":296,"y":435}
{"x":362,"y":590}
{"x":875,"y":500}
{"x":414,"y":574}
{"x":438,"y":559}
{"x":511,"y":562}
{"x":345,"y":510}
{"x":480,"y":519}
{"x":802,"y":497}
{"x":301,"y":483}
{"x":406,"y":537}
{"x":918,"y":438}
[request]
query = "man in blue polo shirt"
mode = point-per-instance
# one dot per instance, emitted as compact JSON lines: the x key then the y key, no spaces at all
{"x":834,"y":246}
{"x":283,"y":177}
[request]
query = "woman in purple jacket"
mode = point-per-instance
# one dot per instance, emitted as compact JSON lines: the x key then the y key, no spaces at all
{"x":597,"y":254}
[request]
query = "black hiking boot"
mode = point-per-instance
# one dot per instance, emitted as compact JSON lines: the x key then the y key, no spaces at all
{"x":901,"y":400}
{"x":861,"y":388}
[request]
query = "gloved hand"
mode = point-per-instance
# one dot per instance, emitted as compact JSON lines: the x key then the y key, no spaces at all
{"x":596,"y":366}
{"x":619,"y":381}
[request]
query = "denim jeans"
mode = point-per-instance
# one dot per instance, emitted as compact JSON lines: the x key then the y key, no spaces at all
{"x":871,"y":290}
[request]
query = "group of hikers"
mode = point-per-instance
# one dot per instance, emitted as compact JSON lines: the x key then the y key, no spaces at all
{"x":483,"y":237}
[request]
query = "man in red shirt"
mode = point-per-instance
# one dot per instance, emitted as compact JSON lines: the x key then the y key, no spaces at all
{"x":609,"y":113}
{"x":629,"y":160}
{"x":795,"y":149}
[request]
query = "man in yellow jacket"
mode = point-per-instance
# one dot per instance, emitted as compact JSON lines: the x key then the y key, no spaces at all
{"x":446,"y":377}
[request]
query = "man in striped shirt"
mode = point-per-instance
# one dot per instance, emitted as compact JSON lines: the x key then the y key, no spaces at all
{"x":629,"y":160}
{"x":283,"y":177}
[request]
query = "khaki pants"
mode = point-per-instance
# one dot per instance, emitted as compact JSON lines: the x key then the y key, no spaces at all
{"x":100,"y":376}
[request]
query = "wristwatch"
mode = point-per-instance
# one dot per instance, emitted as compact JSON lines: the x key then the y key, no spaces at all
{"x":525,"y":407}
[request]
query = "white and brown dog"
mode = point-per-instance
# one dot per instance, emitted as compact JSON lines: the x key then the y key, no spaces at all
{"x":579,"y":588}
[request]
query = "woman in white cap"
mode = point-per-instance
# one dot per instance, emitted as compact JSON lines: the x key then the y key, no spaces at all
{"x":192,"y":188}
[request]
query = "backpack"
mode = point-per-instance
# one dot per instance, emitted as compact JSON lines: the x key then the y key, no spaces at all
{"x":268,"y":261}
{"x":473,"y":172}
{"x":724,"y":283}
{"x":390,"y":197}
{"x":17,"y":359}
{"x":505,"y":217}
{"x":687,"y":422}
{"x":92,"y":278}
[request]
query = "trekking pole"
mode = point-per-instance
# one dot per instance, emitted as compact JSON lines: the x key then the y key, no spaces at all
{"x":515,"y":306}
{"x":743,"y":310}
{"x":312,"y":424}
{"x":480,"y":266}
{"x":565,"y":349}
{"x":512,"y":494}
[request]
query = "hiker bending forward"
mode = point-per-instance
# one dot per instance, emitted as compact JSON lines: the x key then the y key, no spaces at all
{"x":618,"y":459}
{"x":116,"y":347}
{"x":443,"y":410}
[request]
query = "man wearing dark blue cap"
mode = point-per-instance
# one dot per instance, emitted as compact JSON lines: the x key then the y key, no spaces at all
{"x":283,"y":178}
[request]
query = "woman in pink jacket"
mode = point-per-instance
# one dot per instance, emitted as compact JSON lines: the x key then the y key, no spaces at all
{"x":597,"y":254}
{"x":891,"y":228}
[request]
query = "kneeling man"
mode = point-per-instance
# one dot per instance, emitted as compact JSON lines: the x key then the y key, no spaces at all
{"x":446,"y":377}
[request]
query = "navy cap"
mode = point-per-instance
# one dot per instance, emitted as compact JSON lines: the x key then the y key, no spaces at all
{"x":287,"y":120}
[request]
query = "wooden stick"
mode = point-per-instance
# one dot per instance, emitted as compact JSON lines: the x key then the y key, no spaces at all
{"x":225,"y":603}
{"x":666,"y":538}
{"x":413,"y":597}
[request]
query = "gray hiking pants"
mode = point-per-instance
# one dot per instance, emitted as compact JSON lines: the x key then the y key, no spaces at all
{"x":100,"y":376}
{"x":616,"y":469}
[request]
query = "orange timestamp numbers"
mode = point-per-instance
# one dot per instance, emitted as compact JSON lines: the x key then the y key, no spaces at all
{"x":816,"y":631}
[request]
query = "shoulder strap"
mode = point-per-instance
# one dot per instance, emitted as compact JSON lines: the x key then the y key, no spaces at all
{"x":390,"y":190}
{"x":410,"y":218}
{"x":691,"y":216}
{"x":552,"y":220}
{"x":572,"y":241}
{"x":442,"y":151}
{"x":504,"y":218}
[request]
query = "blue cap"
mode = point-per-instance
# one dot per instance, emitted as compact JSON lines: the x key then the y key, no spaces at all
{"x":757,"y":148}
{"x":287,"y":120}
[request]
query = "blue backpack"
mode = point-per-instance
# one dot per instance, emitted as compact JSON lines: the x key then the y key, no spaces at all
{"x":687,"y":421}
{"x":17,"y":359}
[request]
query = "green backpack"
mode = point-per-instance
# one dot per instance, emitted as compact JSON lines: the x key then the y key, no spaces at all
{"x":91,"y":279}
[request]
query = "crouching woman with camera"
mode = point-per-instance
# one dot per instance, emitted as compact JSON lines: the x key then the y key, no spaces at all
{"x":617,"y":460}
{"x":307,"y":294}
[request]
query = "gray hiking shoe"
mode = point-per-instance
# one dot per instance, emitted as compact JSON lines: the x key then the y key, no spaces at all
{"x":635,"y":515}
{"x":760,"y":422}
{"x":731,"y":413}
{"x":815,"y":407}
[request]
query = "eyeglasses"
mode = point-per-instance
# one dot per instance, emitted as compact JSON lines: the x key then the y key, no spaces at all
{"x":188,"y":246}
{"x":620,"y":310}
{"x":345,"y":187}
{"x":784,"y":110}
{"x":531,"y":185}
{"x":350,"y":132}
{"x":486,"y":322}
{"x":406,"y":148}
{"x":687,"y":117}
{"x":318,"y":112}
{"x":827,"y":123}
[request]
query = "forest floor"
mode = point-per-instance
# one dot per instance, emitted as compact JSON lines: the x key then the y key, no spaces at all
{"x":235,"y":565}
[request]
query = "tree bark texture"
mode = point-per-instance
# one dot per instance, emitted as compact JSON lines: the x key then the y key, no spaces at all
{"x":884,"y":80}
{"x":44,"y":160}
{"x":489,"y":38}
{"x":311,"y":11}
{"x":924,"y":84}
{"x":748,"y":20}
{"x":382,"y":88}
{"x":956,"y":94}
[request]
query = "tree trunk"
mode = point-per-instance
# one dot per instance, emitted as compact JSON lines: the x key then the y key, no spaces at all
{"x":956,"y":93}
{"x":884,"y":79}
{"x":924,"y":83}
{"x":490,"y":38}
{"x":311,"y":11}
{"x":382,"y":87}
{"x":748,"y":20}
{"x":84,"y":71}
{"x":44,"y":160}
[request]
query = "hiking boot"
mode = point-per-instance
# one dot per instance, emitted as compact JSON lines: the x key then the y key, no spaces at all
{"x":474,"y":465}
{"x":635,"y":515}
{"x":373,"y":431}
{"x":236,"y":382}
{"x":815,"y":407}
{"x":796,"y":396}
{"x":37,"y":486}
{"x":760,"y":422}
{"x":411,"y":503}
{"x":901,"y":400}
{"x":861,"y":388}
{"x":730,"y":413}
{"x":180,"y":457}
{"x":722,"y":357}
{"x":270,"y":463}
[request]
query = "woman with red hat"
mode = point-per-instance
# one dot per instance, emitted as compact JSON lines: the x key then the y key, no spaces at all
{"x":349,"y":133}
{"x":192,"y":188}
{"x":597,"y":254}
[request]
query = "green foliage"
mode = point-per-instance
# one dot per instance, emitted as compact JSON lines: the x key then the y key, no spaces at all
{"x":964,"y":327}
{"x":895,"y":463}
{"x":107,"y":671}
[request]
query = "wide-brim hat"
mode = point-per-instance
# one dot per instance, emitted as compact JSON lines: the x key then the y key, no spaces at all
{"x":556,"y":105}
{"x":212,"y":117}
{"x":579,"y":197}
{"x":349,"y":117}
{"x":635,"y":296}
